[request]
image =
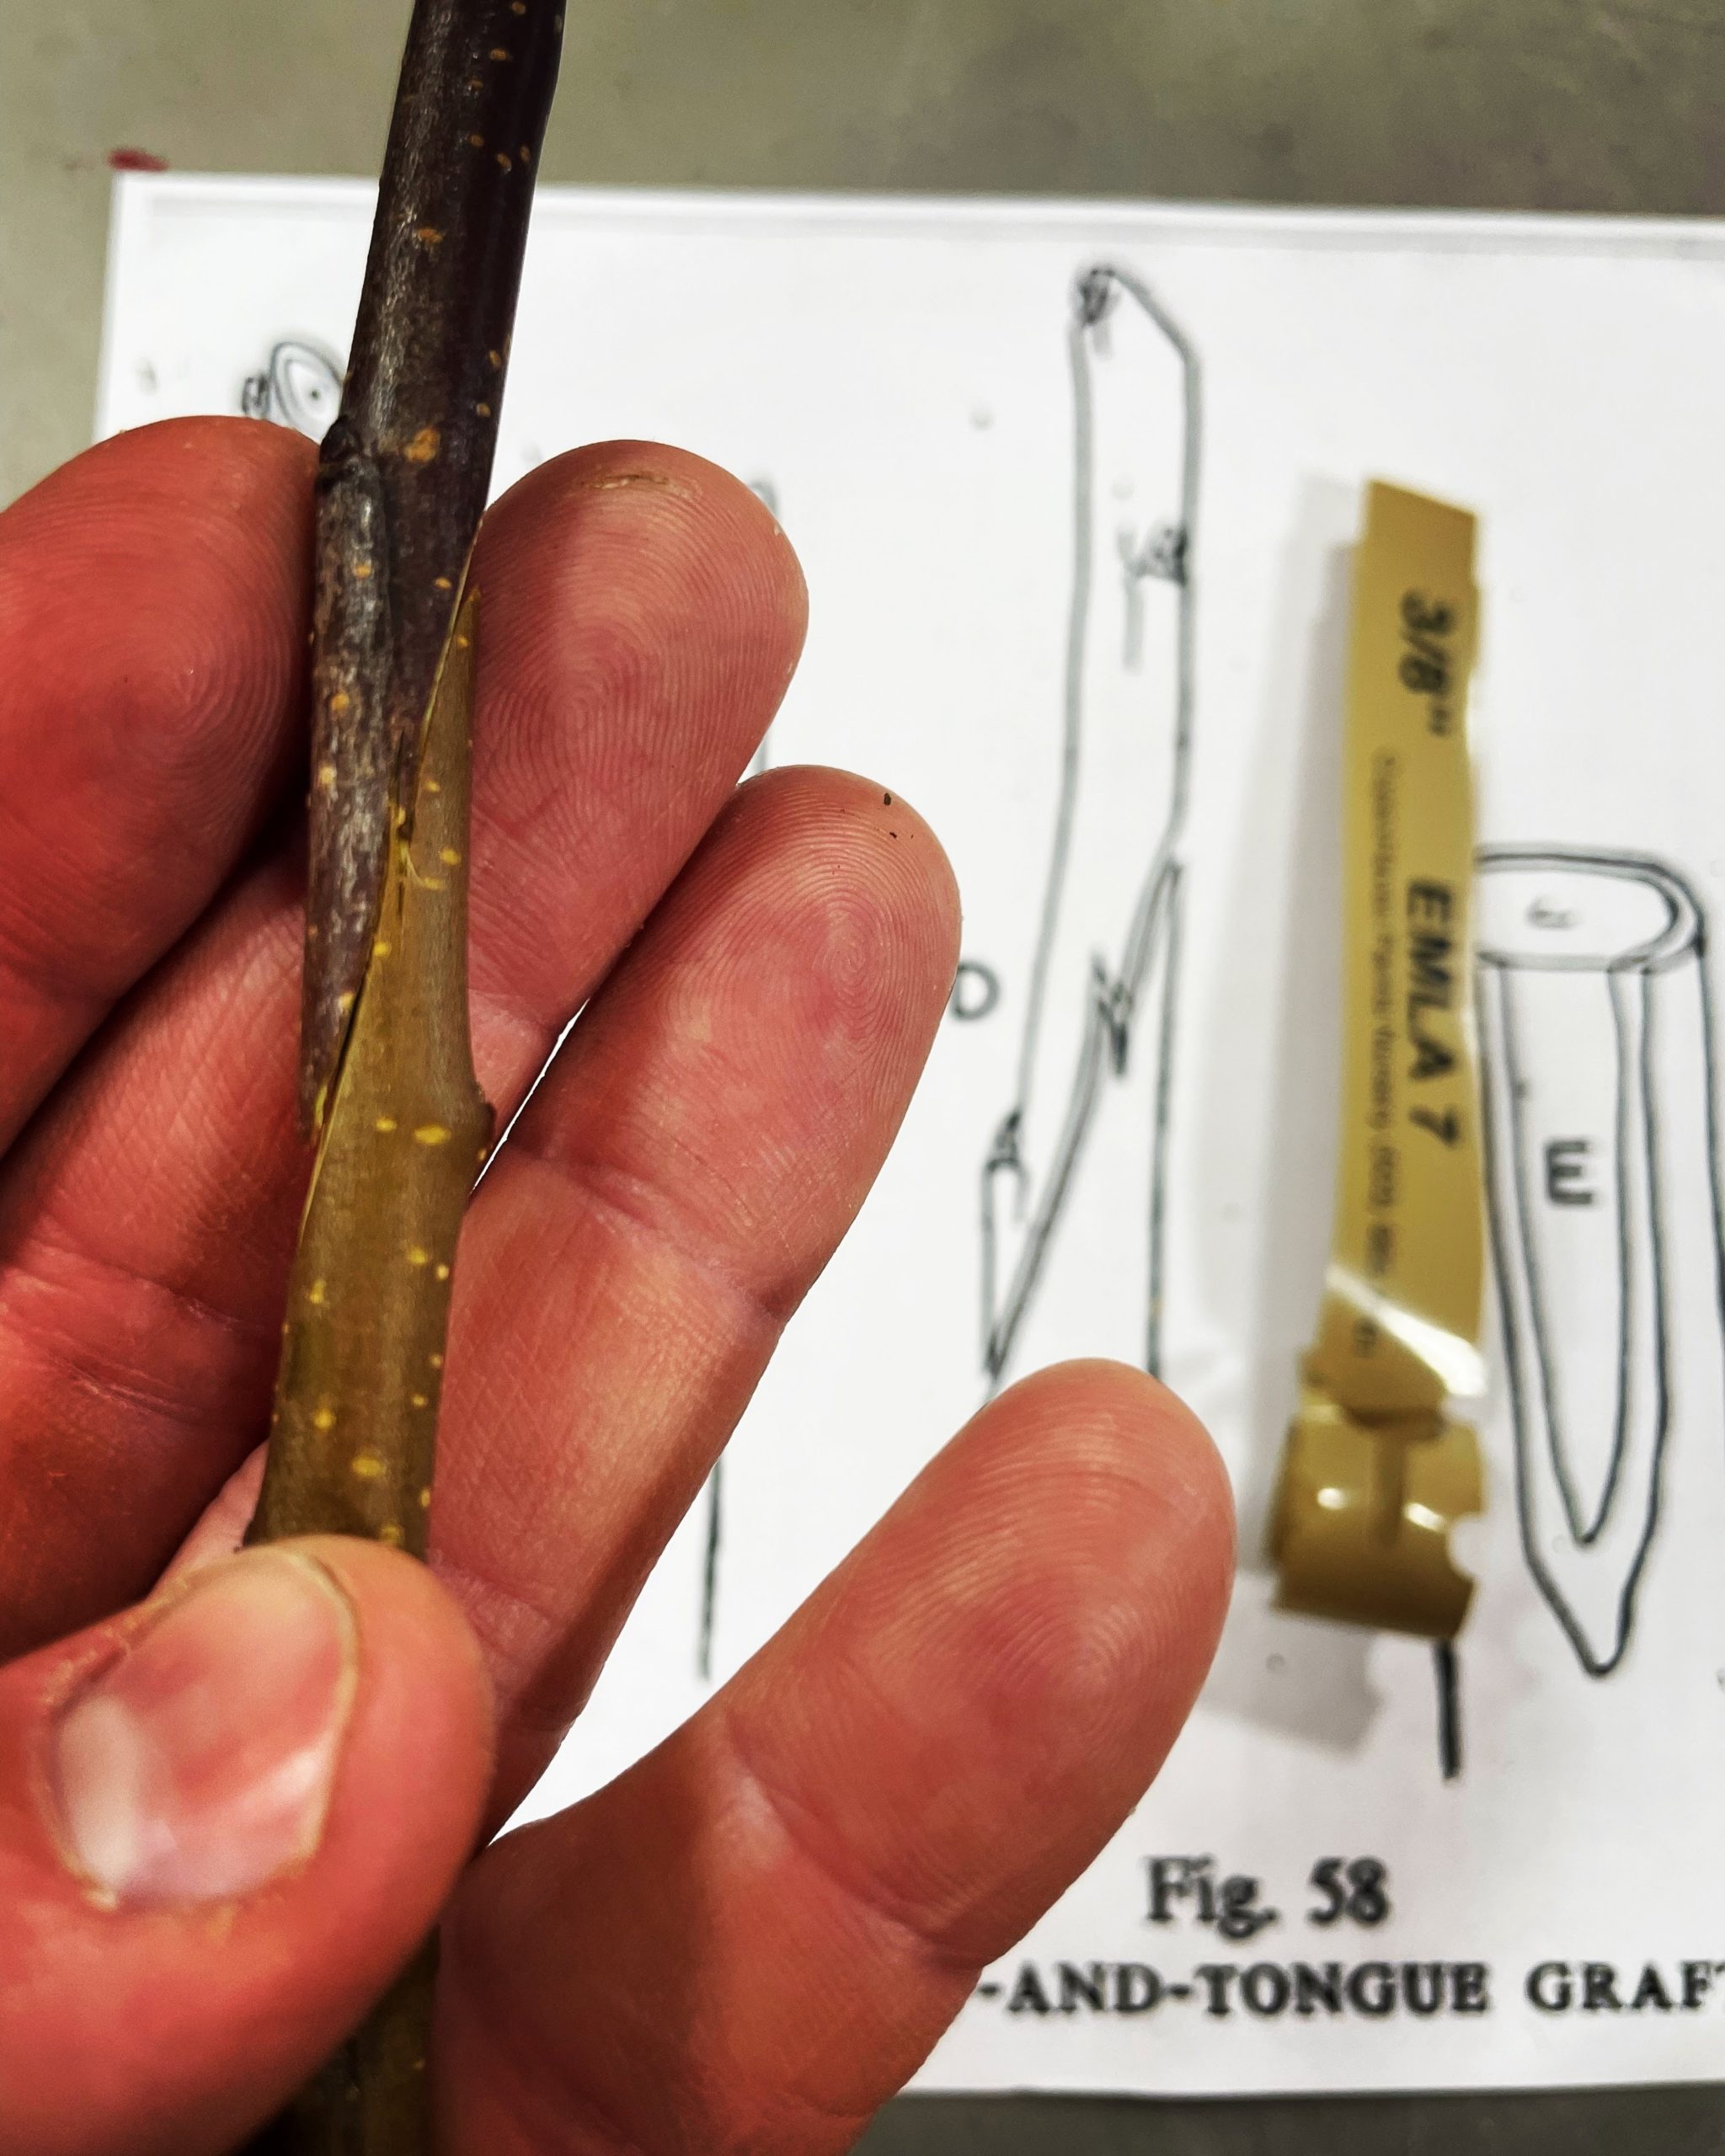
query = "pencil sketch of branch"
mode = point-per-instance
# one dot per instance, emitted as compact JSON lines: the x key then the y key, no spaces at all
{"x":1103,"y":977}
{"x":1598,"y":1078}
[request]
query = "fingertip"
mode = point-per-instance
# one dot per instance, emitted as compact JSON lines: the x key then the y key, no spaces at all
{"x":1139,"y":1430}
{"x":659,"y":516}
{"x":642,"y":617}
{"x":225,"y":462}
{"x":1086,"y":1517}
{"x":847,"y":865}
{"x":218,"y":509}
{"x":732,"y":504}
{"x":904,"y":842}
{"x":1122,"y":1563}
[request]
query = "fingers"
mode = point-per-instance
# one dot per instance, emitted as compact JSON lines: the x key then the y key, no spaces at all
{"x":669,"y":1194}
{"x":154,"y":595}
{"x":752,"y":1938}
{"x":642,"y":615}
{"x":675,"y":1184}
{"x":226,"y":1819}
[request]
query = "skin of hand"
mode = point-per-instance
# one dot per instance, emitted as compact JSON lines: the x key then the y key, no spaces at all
{"x":235,"y":1789}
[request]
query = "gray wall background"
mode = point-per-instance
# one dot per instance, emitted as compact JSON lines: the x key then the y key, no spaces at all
{"x":1559,"y":104}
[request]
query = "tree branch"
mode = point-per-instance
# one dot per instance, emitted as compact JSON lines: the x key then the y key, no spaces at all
{"x":387,"y":1084}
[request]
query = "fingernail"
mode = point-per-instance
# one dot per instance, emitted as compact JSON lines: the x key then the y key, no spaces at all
{"x":199,"y":1765}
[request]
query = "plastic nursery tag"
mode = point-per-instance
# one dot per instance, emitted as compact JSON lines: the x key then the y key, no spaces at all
{"x":1374,"y":1473}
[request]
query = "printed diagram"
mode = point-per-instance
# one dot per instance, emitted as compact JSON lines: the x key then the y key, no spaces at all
{"x":1099,"y":1009}
{"x":1101,"y":1003}
{"x":299,"y":386}
{"x":1597,"y":1078}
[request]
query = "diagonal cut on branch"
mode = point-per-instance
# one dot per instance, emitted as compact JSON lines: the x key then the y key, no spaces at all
{"x":406,"y":468}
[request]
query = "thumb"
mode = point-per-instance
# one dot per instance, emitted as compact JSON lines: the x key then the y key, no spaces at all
{"x":227,"y":1818}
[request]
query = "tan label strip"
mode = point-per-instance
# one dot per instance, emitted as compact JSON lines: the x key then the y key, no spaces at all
{"x":1374,"y":1474}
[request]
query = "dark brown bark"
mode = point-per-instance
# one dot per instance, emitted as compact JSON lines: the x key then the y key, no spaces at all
{"x":406,"y":468}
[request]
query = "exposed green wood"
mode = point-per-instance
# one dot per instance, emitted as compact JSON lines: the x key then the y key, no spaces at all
{"x":353,"y":1436}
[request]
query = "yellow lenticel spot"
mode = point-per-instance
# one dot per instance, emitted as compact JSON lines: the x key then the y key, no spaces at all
{"x":418,"y":1254}
{"x":430,"y":234}
{"x":527,"y":153}
{"x":477,"y":141}
{"x":325,"y":777}
{"x":495,"y":358}
{"x":339,"y":702}
{"x":443,"y":584}
{"x":391,"y":1533}
{"x":433,"y":786}
{"x":344,"y":1001}
{"x":324,"y":1419}
{"x":367,"y":1467}
{"x":362,"y":570}
{"x":443,"y":1273}
{"x":424,"y":1501}
{"x":315,"y":1292}
{"x":381,"y":946}
{"x":450,"y":858}
{"x":501,"y":52}
{"x":483,"y":410}
{"x":421,"y":1401}
{"x":424,"y":446}
{"x":437,"y":1361}
{"x":431,"y":1133}
{"x":386,"y":1122}
{"x":504,"y":159}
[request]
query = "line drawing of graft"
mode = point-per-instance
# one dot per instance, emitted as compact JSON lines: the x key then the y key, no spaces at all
{"x":1591,"y":969}
{"x":1105,"y":969}
{"x":765,"y":490}
{"x":298,"y":386}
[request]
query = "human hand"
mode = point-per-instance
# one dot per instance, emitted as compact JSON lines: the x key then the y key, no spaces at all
{"x":228,"y":1814}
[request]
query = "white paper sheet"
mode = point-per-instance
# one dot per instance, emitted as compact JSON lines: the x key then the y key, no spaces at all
{"x":901,"y":377}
